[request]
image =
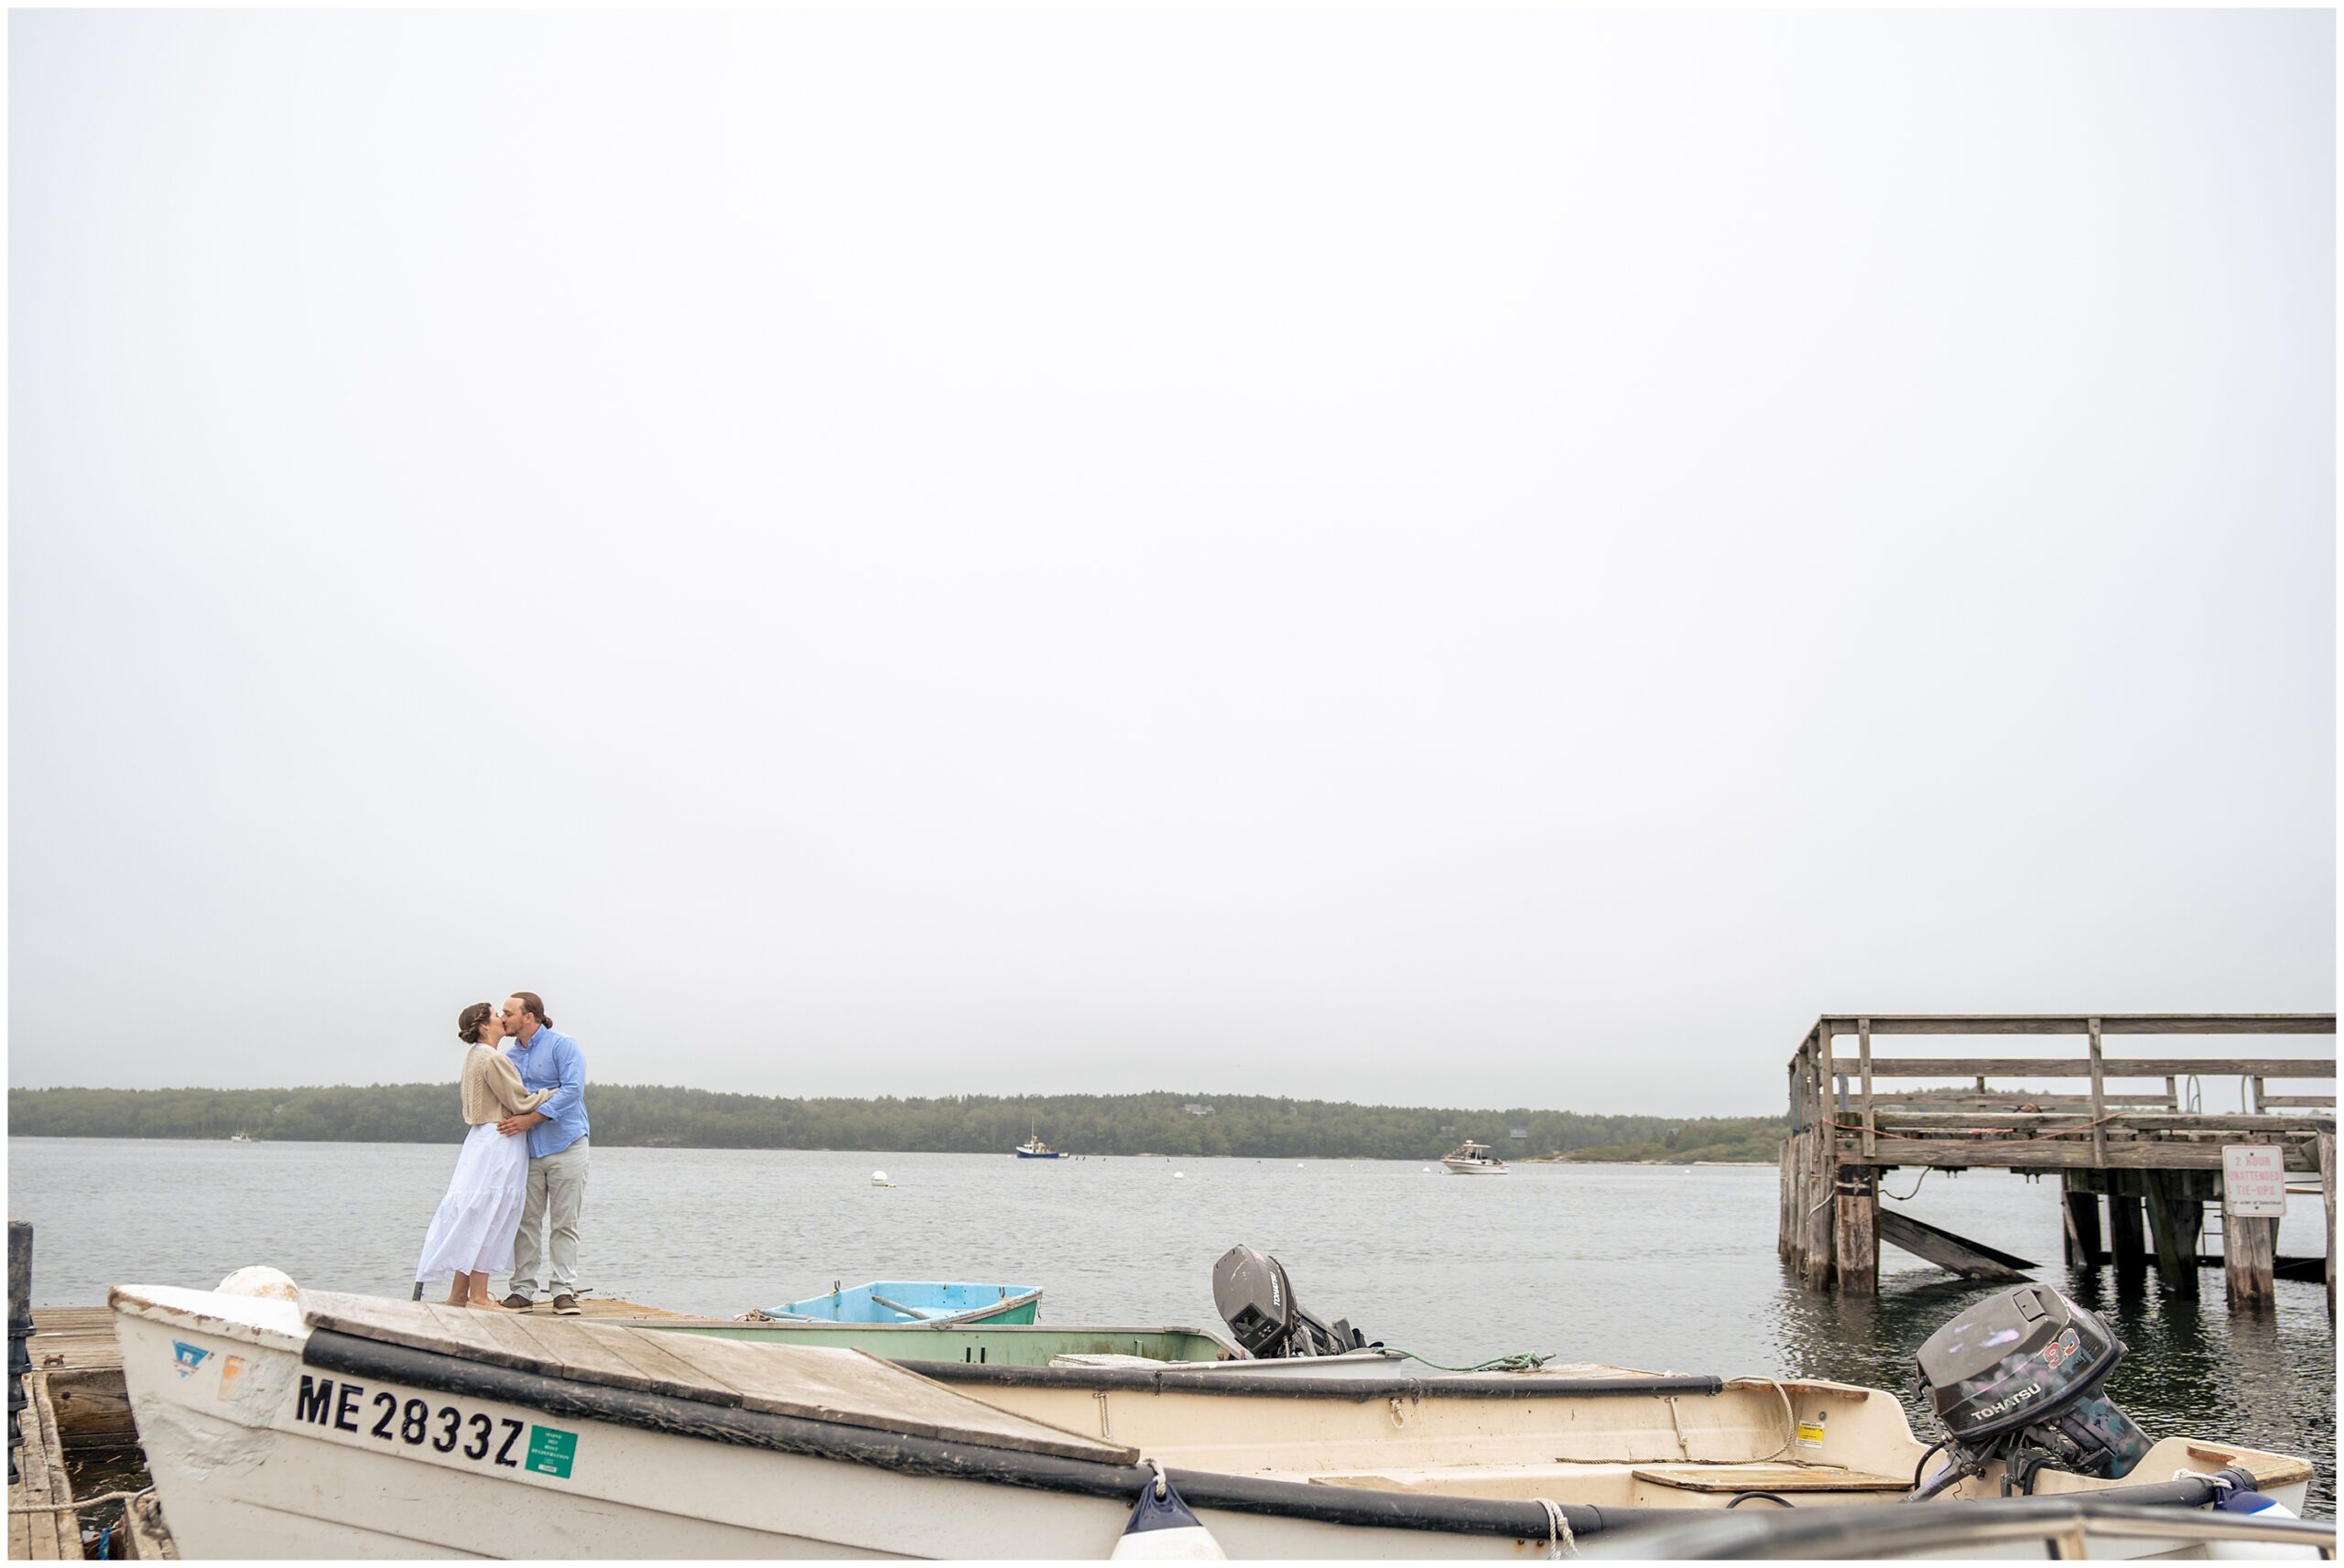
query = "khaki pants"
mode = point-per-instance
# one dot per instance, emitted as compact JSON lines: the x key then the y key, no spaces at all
{"x":557,"y":1182}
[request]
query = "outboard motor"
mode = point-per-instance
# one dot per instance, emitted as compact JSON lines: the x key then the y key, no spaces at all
{"x":1250,"y":1287}
{"x":2016,"y":1378}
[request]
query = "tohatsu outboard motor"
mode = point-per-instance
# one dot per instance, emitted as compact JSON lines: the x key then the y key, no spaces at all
{"x":2016,"y":1378}
{"x":1250,"y":1287}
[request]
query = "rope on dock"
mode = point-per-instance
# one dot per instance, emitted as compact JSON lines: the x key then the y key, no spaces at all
{"x":78,"y":1503}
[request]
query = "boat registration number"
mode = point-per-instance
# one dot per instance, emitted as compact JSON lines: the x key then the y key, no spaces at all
{"x":448,"y":1427}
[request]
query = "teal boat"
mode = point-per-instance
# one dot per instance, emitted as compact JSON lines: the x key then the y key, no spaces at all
{"x":977,"y":1344}
{"x":916,"y":1302}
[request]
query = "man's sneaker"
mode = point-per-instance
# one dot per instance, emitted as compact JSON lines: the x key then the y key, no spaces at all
{"x":519,"y":1303}
{"x":566,"y":1305}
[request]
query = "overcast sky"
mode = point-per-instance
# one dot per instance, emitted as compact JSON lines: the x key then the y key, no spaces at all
{"x":1498,"y":558}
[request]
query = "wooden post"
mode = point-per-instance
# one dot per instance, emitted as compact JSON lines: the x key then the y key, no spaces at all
{"x":2099,"y":1102}
{"x":1863,"y":1056}
{"x":2324,"y":1148}
{"x":2250,"y":1258}
{"x":1857,"y":1241}
{"x":2175,"y":1220}
{"x":2255,"y":1091}
{"x":2126,"y":1245}
{"x":19,"y":1327}
{"x":1823,"y":1163}
{"x":1786,"y":1160}
{"x":2082,"y":1223}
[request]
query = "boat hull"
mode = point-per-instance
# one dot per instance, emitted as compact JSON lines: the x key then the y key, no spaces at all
{"x":260,"y":1448}
{"x":267,"y":1438}
{"x":1469,"y":1168}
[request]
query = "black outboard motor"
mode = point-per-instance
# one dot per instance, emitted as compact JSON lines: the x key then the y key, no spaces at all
{"x":1249,"y":1288}
{"x":2016,"y":1378}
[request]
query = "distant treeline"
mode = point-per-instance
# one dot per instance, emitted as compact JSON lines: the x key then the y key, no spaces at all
{"x":650,"y":1116}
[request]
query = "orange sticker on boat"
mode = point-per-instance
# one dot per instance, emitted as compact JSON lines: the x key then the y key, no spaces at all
{"x":230,"y":1370}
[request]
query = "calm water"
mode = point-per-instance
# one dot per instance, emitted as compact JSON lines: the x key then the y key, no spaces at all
{"x":1662,"y":1267}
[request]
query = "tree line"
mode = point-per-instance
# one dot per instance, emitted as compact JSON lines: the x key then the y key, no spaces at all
{"x":659,"y":1116}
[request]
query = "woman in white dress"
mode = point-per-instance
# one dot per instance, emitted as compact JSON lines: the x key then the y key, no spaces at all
{"x":471,"y":1235}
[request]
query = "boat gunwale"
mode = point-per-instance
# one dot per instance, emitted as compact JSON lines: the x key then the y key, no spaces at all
{"x":1806,"y":1534}
{"x":953,"y":1459}
{"x":1351,"y":1391}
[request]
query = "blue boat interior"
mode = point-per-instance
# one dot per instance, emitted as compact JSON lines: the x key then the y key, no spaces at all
{"x":903,"y":1300}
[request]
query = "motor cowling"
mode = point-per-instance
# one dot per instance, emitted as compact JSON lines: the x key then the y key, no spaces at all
{"x":2017,"y":1377}
{"x":1256,"y":1299}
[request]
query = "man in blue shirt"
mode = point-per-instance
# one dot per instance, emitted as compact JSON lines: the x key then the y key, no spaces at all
{"x":548,"y":1059}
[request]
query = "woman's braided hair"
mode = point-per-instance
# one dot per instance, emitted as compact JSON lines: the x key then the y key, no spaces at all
{"x":468,"y":1022}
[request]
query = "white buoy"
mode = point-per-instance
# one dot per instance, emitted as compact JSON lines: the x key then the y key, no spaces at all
{"x":1180,"y":1175}
{"x":260,"y":1280}
{"x":879,"y":1179}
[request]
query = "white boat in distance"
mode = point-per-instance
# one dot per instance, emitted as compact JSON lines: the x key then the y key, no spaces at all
{"x":1471,"y":1159}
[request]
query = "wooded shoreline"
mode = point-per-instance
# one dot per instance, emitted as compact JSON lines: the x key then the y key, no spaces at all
{"x":652,"y":1115}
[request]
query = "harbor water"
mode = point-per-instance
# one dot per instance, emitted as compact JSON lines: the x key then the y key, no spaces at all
{"x":1663,"y":1267}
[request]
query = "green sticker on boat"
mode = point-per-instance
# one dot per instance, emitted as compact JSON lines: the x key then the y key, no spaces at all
{"x":551,"y":1451}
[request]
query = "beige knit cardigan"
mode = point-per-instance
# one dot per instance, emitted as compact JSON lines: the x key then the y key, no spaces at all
{"x":492,"y":1088}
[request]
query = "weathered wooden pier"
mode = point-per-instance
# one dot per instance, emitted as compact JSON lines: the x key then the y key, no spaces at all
{"x":2138,"y":1141}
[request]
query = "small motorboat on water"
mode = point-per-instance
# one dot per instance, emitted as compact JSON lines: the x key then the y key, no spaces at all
{"x":1035,"y":1149}
{"x":1471,"y":1159}
{"x":915,"y":1302}
{"x":343,"y":1426}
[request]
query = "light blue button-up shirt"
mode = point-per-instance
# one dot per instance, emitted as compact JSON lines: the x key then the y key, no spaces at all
{"x":551,"y":1060}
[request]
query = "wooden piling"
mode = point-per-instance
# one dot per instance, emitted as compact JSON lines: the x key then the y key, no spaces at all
{"x":2126,"y":1245}
{"x":1856,"y":1231}
{"x":2250,"y":1261}
{"x":2082,"y":1223}
{"x":1817,"y":1206}
{"x":2175,"y":1220}
{"x":2325,"y":1147}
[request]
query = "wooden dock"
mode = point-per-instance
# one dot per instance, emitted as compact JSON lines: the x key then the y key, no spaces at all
{"x":2136,"y":1140}
{"x":76,"y":1407}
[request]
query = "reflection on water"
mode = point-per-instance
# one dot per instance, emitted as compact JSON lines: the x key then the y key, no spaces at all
{"x":1671,"y":1269}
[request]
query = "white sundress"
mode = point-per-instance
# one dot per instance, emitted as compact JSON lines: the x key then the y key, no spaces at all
{"x":473,"y":1233}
